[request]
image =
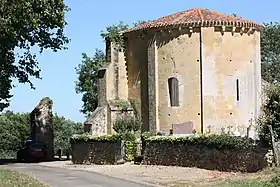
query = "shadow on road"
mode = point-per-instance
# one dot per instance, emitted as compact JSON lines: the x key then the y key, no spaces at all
{"x":13,"y":161}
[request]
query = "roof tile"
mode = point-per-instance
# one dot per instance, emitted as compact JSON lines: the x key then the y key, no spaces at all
{"x":197,"y":16}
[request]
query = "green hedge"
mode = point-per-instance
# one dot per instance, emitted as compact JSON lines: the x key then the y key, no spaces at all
{"x":211,"y":141}
{"x":78,"y":138}
{"x":129,"y":141}
{"x":130,"y":146}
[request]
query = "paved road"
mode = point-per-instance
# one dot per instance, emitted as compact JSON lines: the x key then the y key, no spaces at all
{"x":60,"y":177}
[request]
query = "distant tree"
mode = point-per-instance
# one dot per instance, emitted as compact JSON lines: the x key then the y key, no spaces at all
{"x":139,"y":22}
{"x":87,"y":80}
{"x":270,"y":52}
{"x":64,"y":129}
{"x":270,"y":113}
{"x":25,"y":24}
{"x":15,"y":128}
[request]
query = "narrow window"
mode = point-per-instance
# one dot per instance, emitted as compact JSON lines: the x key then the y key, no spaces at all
{"x":237,"y":90}
{"x":173,"y":85}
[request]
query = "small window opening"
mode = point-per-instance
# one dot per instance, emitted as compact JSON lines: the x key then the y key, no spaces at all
{"x":173,"y":85}
{"x":237,"y":90}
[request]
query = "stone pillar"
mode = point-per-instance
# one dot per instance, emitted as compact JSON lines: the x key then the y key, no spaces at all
{"x":42,"y":125}
{"x":153,"y":86}
{"x":122,"y":77}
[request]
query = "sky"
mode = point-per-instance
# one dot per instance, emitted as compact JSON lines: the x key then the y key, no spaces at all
{"x":87,"y":19}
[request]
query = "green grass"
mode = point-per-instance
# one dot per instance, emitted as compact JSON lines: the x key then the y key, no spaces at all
{"x":246,"y":184}
{"x":13,"y":179}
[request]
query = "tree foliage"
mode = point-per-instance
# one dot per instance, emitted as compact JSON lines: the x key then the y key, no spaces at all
{"x":27,"y":25}
{"x":113,"y":33}
{"x":270,"y":52}
{"x":15,"y":128}
{"x":87,"y":83}
{"x":64,"y":129}
{"x":271,"y":113}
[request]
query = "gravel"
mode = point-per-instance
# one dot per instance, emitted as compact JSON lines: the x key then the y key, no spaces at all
{"x":157,"y":175}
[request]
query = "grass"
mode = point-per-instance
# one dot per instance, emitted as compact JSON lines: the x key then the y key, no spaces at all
{"x":13,"y":179}
{"x":269,"y":177}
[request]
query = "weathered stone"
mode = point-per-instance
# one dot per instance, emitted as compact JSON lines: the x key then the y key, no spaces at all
{"x":217,"y":68}
{"x":42,"y":125}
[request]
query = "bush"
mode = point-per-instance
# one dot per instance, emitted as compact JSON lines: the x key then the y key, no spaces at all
{"x":130,"y":146}
{"x":126,"y":124}
{"x":211,"y":141}
{"x":129,"y":141}
{"x":80,"y":138}
{"x":270,"y":114}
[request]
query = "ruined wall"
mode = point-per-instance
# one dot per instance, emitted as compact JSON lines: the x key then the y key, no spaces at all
{"x":42,"y":125}
{"x":178,"y":56}
{"x":97,"y":123}
{"x":229,"y":57}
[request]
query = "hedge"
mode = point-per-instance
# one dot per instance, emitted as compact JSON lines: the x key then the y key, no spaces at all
{"x":77,"y":138}
{"x":129,"y":142}
{"x":208,"y":140}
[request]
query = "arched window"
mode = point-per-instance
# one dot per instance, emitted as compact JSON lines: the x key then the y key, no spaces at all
{"x":173,"y":85}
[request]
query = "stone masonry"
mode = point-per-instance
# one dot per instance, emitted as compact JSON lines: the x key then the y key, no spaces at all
{"x":42,"y":125}
{"x":214,"y":60}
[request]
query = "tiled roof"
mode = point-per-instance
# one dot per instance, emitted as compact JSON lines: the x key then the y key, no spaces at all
{"x":197,"y":17}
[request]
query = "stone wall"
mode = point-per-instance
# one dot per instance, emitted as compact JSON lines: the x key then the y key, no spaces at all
{"x":181,"y":154}
{"x":96,"y":152}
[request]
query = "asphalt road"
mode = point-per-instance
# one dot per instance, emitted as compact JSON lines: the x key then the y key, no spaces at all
{"x":60,"y":177}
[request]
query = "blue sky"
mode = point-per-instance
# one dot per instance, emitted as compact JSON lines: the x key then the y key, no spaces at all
{"x":85,"y":21}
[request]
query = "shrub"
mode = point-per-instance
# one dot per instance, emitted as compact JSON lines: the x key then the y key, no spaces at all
{"x":126,"y":127}
{"x":80,"y":138}
{"x":126,"y":124}
{"x":129,"y":141}
{"x":130,"y":146}
{"x":212,"y":141}
{"x":270,"y":114}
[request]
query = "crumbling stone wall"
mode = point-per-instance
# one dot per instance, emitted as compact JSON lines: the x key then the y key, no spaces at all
{"x":42,"y":125}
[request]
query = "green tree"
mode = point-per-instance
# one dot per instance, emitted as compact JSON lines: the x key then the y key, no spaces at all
{"x":87,"y":80}
{"x":271,"y":113}
{"x":64,"y":129}
{"x":270,"y":52}
{"x":14,"y":129}
{"x":27,"y":25}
